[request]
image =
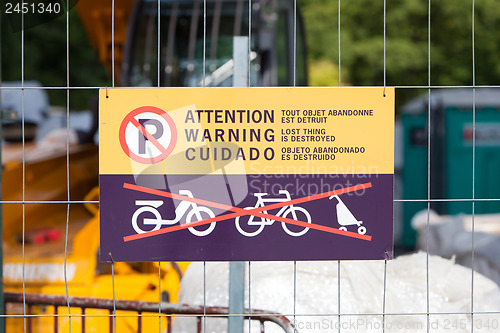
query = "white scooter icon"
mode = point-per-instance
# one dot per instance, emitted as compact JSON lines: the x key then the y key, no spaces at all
{"x":195,"y":213}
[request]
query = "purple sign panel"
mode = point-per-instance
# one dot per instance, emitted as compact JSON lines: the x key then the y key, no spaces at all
{"x":306,"y":217}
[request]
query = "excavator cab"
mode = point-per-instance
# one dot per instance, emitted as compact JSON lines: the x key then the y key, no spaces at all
{"x":195,"y":41}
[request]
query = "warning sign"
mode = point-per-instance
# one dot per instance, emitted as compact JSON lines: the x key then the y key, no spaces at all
{"x":246,"y":174}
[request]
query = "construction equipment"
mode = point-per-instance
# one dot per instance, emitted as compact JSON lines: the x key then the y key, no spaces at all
{"x":55,"y":230}
{"x":195,"y":41}
{"x":51,"y":238}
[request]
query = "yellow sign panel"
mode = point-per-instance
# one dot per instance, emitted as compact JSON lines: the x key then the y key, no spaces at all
{"x":247,"y":131}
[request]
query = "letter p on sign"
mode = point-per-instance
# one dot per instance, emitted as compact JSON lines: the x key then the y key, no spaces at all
{"x":147,"y":124}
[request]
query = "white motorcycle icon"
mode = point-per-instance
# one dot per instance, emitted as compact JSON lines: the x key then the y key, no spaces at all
{"x":195,"y":213}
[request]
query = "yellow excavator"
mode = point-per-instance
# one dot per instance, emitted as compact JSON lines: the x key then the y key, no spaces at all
{"x":51,"y":236}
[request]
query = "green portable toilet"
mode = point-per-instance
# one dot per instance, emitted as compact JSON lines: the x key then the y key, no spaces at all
{"x":451,"y":155}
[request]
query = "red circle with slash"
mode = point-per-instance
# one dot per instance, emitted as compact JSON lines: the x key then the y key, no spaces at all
{"x":134,"y":136}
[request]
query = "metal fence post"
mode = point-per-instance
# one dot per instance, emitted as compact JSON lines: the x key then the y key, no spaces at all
{"x":237,"y":269}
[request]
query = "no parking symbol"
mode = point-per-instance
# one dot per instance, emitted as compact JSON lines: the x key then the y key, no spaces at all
{"x":148,"y":135}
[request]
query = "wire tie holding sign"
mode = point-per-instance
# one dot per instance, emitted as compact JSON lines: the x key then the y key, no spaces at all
{"x":382,"y":93}
{"x":107,"y":97}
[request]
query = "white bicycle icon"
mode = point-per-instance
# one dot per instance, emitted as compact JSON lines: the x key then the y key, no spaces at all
{"x":195,"y":213}
{"x":250,"y":222}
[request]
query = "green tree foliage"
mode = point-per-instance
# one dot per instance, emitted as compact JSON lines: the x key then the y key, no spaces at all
{"x":407,"y":63}
{"x":361,"y":47}
{"x":44,"y":58}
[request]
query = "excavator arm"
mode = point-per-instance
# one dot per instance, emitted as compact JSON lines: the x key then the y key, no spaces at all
{"x":97,"y":18}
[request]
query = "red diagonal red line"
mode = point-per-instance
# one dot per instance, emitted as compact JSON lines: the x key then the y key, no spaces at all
{"x":241,"y":212}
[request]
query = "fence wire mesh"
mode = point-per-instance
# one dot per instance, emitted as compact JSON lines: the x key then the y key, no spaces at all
{"x":333,"y":314}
